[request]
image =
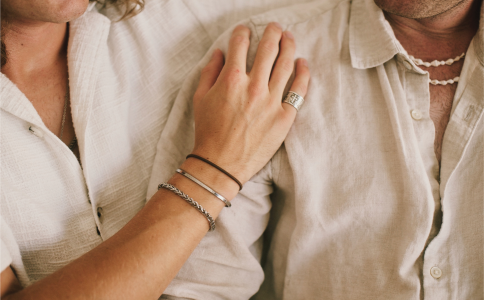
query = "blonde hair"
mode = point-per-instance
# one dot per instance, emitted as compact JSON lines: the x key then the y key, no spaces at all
{"x":128,"y":8}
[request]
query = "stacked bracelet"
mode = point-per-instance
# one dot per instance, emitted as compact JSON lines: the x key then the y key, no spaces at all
{"x":217,"y":167}
{"x":203,"y":185}
{"x":192,"y":202}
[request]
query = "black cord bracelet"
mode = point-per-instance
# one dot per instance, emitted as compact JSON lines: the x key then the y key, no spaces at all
{"x":217,"y":167}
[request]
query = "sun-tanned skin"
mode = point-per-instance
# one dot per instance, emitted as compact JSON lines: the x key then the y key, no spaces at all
{"x":36,"y":35}
{"x":36,"y":38}
{"x":435,"y":30}
{"x":159,"y":239}
{"x":36,"y":41}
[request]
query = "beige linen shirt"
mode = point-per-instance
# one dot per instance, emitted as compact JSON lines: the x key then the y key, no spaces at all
{"x":355,"y":186}
{"x":123,"y":78}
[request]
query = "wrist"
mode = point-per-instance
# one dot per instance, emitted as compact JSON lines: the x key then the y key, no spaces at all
{"x":212,"y":177}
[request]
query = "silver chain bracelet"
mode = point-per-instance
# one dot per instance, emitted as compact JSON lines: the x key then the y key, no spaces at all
{"x":192,"y":202}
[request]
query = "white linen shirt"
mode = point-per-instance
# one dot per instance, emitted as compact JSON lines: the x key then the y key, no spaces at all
{"x":123,"y":78}
{"x":356,"y":184}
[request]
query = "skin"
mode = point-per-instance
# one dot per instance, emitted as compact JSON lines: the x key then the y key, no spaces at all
{"x":36,"y":38}
{"x":435,"y":30}
{"x":415,"y":9}
{"x":141,"y":259}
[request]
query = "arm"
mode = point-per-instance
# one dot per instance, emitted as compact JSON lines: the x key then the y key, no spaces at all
{"x":141,"y":259}
{"x":226,"y":264}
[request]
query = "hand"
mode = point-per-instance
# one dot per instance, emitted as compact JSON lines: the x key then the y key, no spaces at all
{"x":240,"y":120}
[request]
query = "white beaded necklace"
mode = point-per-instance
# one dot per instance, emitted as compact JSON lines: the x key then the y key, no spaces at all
{"x":437,"y":63}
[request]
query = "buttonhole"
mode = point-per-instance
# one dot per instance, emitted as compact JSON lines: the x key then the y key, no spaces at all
{"x":469,"y":112}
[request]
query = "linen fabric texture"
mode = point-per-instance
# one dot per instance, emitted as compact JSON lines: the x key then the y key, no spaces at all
{"x":350,"y":206}
{"x":123,"y":77}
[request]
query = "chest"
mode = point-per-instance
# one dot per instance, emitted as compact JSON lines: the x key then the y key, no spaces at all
{"x":441,"y":99}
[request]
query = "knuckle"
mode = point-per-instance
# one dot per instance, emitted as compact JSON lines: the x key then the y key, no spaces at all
{"x":269,"y":47}
{"x":241,"y":29}
{"x":274,"y":27}
{"x":302,"y":87}
{"x":289,"y":45}
{"x":303,"y":74}
{"x":233,"y":77}
{"x":207,"y":69}
{"x":287,"y":65}
{"x":305,"y":71}
{"x":287,"y":116}
{"x":256,"y":90}
{"x":240,"y":40}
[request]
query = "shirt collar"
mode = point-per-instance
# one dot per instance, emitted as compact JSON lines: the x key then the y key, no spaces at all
{"x":91,"y":5}
{"x":479,"y":38}
{"x":372,"y":41}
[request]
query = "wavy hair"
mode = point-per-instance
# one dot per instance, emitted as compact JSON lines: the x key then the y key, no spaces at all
{"x":128,"y":8}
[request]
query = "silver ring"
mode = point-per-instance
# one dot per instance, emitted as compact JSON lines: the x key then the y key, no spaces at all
{"x":294,"y":99}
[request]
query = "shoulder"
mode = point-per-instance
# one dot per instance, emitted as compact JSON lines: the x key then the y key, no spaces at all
{"x":300,"y":13}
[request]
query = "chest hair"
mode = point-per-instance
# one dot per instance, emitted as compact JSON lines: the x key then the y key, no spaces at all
{"x":441,"y":99}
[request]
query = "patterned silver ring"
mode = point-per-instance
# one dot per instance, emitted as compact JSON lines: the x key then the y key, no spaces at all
{"x":294,"y":99}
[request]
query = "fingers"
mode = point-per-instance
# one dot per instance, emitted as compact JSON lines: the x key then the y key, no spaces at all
{"x":238,"y":47}
{"x":300,"y":84}
{"x":210,"y":74}
{"x":266,"y":53}
{"x":284,"y":64}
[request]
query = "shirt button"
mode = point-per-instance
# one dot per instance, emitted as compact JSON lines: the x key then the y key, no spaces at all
{"x":36,"y":131}
{"x":100,"y":214}
{"x":407,"y":65}
{"x":436,"y":272}
{"x":416,"y":114}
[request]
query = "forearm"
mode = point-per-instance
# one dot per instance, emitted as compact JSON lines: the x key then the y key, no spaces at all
{"x":234,"y":248}
{"x":142,"y":258}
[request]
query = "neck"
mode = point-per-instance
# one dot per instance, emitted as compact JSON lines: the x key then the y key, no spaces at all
{"x":33,"y":46}
{"x":443,"y":35}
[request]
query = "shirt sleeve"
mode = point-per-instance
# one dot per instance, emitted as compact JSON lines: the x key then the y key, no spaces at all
{"x":10,"y":253}
{"x":217,"y":15}
{"x":226,"y":264}
{"x":6,"y":259}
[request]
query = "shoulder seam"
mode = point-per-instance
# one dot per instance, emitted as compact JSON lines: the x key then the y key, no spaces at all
{"x":198,"y":20}
{"x":266,"y":18}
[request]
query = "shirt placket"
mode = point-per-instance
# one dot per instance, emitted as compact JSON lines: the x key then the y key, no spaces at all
{"x":440,"y":270}
{"x":91,"y":33}
{"x":418,"y":98}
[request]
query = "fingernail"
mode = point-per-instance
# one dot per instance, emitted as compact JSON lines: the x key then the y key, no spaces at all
{"x":289,"y":35}
{"x":277,"y":25}
{"x":304,"y":62}
{"x":214,"y":51}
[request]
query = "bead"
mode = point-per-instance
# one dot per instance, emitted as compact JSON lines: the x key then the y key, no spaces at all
{"x":444,"y":82}
{"x":435,"y":63}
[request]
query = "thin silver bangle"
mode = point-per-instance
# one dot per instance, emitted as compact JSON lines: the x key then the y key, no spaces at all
{"x":209,"y":189}
{"x":192,"y":202}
